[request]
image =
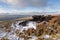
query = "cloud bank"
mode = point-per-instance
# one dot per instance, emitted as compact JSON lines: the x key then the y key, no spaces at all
{"x":25,"y":3}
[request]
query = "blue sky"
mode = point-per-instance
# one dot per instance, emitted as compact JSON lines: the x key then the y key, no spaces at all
{"x":17,"y":6}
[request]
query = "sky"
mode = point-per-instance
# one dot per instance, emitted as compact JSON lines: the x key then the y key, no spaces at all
{"x":17,"y":6}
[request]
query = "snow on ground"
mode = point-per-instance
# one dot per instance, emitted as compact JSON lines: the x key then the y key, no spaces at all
{"x":33,"y":38}
{"x":12,"y":35}
{"x":30,"y":24}
{"x":21,"y":38}
{"x":15,"y":26}
{"x":2,"y":33}
{"x":46,"y":36}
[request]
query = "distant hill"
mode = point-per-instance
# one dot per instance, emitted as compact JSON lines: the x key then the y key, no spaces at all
{"x":12,"y":17}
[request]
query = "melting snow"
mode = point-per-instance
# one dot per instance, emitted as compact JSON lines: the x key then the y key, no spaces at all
{"x":2,"y":33}
{"x":21,"y":38}
{"x":33,"y":38}
{"x":46,"y":36}
{"x":29,"y":25}
{"x":12,"y":36}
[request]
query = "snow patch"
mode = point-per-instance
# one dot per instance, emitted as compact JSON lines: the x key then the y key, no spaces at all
{"x":46,"y":36}
{"x":30,"y":24}
{"x":33,"y":38}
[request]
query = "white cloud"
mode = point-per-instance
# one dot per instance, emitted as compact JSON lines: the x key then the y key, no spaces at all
{"x":2,"y":11}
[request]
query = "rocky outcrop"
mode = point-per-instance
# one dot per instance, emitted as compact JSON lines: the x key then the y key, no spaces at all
{"x":45,"y":27}
{"x":42,"y":18}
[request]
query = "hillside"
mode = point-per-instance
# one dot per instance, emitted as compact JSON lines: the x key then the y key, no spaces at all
{"x":37,"y":27}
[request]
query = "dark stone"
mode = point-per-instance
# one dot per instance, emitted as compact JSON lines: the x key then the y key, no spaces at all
{"x":23,"y":23}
